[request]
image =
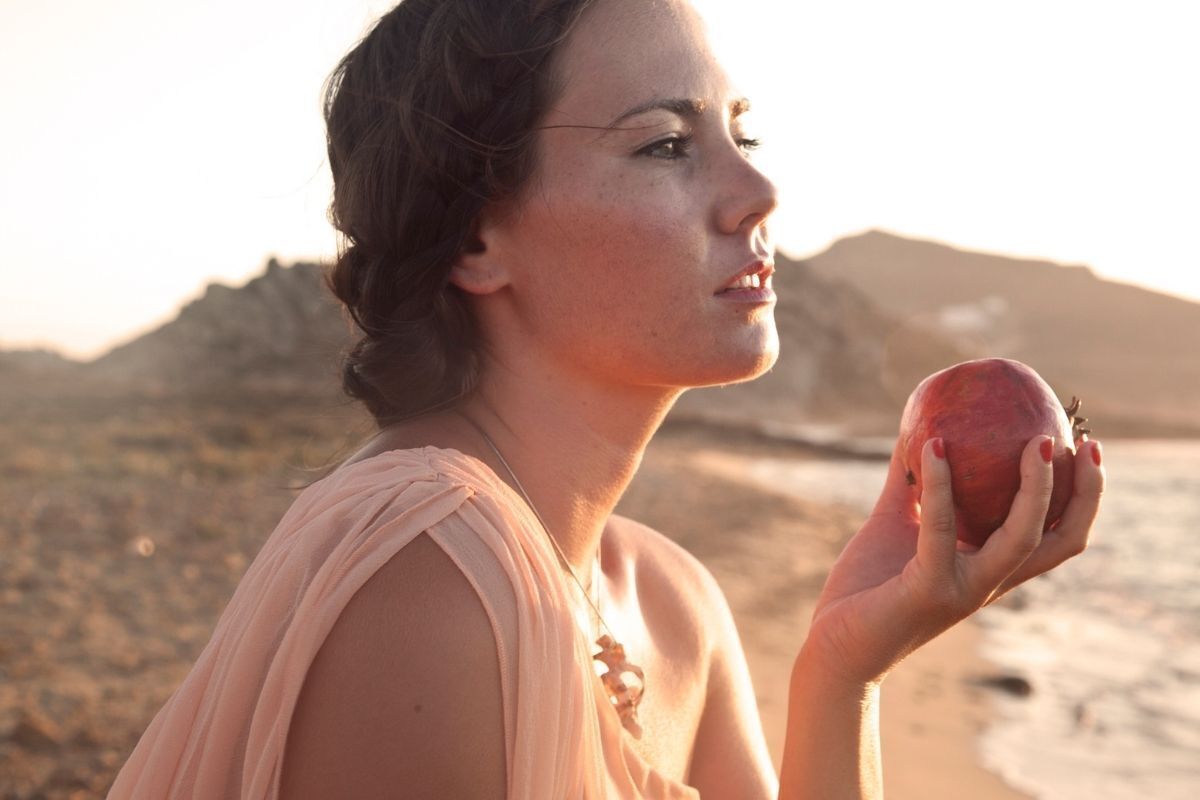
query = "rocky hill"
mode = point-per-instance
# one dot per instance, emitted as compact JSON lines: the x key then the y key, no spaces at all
{"x":33,"y":373}
{"x":37,"y":361}
{"x":282,"y":329}
{"x":1129,"y":352}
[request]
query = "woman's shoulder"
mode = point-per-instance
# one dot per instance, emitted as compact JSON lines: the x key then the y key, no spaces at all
{"x":412,"y":663}
{"x":372,"y":488}
{"x":428,"y":452}
{"x":649,"y":550}
{"x":675,"y":591}
{"x":394,"y":678}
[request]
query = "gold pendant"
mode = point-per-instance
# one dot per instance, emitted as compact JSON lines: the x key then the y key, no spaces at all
{"x":623,"y":696}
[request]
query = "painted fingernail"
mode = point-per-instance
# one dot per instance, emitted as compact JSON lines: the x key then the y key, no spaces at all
{"x":1047,"y":450}
{"x":939,"y":448}
{"x":1096,"y":453}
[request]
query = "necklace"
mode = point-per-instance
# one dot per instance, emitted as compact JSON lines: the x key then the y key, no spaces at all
{"x":623,"y":696}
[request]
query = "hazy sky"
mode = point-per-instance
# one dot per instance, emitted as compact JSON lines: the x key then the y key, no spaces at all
{"x":149,"y":147}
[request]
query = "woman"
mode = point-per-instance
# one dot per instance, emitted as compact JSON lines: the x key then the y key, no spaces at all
{"x":544,"y":202}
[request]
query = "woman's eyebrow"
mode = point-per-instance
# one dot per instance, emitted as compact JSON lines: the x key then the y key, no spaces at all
{"x":684,"y":107}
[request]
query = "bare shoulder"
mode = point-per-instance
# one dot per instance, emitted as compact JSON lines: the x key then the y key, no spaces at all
{"x":676,"y":586}
{"x":405,"y":691}
{"x":654,"y":551}
{"x":729,"y":756}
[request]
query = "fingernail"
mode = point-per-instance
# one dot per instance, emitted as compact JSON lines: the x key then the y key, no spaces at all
{"x":939,"y":448}
{"x":1048,"y":450}
{"x":1096,"y":453}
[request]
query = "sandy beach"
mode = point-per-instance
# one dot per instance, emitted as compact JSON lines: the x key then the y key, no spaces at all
{"x":930,"y":719}
{"x":124,"y":535}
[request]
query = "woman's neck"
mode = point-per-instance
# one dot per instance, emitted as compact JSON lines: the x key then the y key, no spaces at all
{"x":575,"y":448}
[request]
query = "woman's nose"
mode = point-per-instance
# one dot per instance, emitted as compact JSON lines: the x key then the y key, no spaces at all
{"x":748,"y":196}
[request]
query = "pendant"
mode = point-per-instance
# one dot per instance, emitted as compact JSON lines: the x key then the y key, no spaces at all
{"x":623,"y":696}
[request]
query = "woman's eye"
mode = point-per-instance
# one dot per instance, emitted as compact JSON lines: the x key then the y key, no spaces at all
{"x":749,"y":145}
{"x":675,"y":147}
{"x":679,"y":146}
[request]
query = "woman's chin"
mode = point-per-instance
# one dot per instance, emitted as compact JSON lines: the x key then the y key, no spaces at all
{"x":753,"y":368}
{"x":758,"y":353}
{"x":737,"y":365}
{"x":735,"y":358}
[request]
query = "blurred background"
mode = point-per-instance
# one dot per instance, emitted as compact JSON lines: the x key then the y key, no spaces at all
{"x":957,"y":180}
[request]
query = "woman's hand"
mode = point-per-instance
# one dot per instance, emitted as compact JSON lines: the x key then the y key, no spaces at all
{"x":904,"y":577}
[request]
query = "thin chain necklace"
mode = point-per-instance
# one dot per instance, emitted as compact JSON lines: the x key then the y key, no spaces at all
{"x":623,"y":697}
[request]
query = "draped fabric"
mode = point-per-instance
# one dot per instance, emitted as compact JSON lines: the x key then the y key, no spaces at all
{"x":223,"y":732}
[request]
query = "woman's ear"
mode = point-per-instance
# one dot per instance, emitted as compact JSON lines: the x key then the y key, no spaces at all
{"x":479,"y":268}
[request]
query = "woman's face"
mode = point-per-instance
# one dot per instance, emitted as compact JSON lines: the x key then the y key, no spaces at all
{"x":633,"y":222}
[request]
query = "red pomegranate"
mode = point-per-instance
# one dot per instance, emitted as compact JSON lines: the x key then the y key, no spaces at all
{"x":986,"y":411}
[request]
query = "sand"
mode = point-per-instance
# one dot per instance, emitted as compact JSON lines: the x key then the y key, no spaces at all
{"x":932,"y":715}
{"x":123,"y":532}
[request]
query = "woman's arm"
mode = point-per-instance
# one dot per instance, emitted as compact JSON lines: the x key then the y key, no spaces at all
{"x":404,"y":697}
{"x":831,"y":750}
{"x":902,"y":580}
{"x":730,"y":760}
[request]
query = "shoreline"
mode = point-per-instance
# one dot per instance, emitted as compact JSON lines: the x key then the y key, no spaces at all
{"x":934,"y":714}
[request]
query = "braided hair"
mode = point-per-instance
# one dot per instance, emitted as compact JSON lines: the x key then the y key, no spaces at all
{"x":430,"y":117}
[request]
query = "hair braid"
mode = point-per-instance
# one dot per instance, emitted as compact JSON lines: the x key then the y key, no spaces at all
{"x":430,"y":117}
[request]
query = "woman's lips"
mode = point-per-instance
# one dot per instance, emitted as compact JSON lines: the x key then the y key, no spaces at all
{"x":750,"y":294}
{"x":763,"y":269}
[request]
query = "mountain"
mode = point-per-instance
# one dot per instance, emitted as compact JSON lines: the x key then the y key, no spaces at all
{"x":36,"y":361}
{"x":29,"y":373}
{"x":282,"y":328}
{"x":1128,"y":352}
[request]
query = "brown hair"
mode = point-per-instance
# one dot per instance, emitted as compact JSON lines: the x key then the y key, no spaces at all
{"x":430,"y":117}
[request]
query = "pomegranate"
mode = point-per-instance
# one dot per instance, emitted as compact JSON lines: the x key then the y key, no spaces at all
{"x":986,"y":411}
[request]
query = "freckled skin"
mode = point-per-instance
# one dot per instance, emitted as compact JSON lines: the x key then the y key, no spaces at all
{"x":613,"y":254}
{"x":986,"y":411}
{"x":594,"y":291}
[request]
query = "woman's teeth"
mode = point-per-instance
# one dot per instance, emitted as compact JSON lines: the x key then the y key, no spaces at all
{"x":745,"y":282}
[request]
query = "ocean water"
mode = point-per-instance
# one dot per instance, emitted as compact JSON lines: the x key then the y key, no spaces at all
{"x":1110,"y":641}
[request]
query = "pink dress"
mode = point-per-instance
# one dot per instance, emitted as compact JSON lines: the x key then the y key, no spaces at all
{"x":222,"y":733}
